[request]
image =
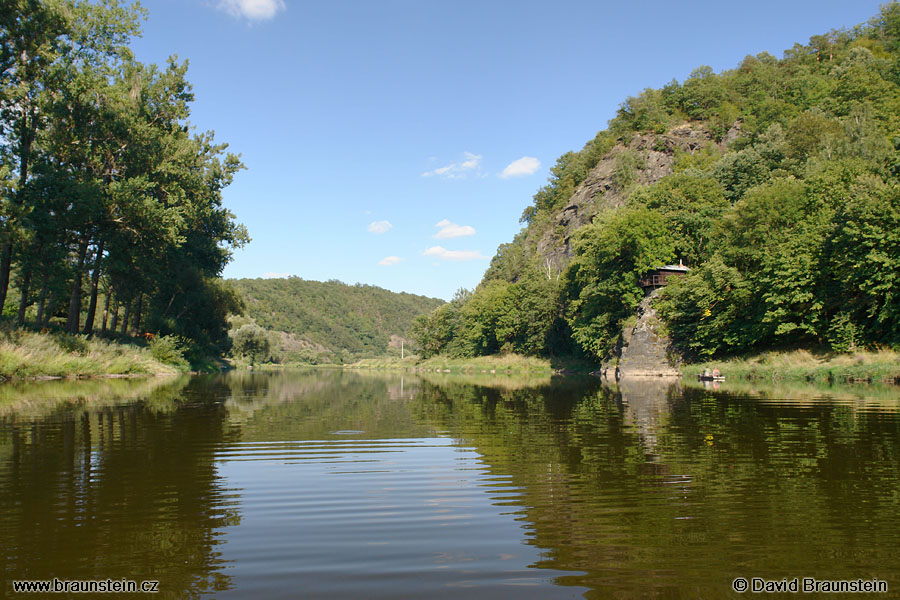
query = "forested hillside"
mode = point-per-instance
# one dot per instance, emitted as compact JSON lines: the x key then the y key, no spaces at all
{"x":775,"y":181}
{"x":331,"y":322}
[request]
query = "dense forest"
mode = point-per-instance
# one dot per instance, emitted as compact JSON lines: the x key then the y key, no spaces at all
{"x":775,"y":182}
{"x":325,"y":322}
{"x":111,"y":215}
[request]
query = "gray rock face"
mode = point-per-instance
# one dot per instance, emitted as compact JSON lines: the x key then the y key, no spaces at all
{"x":599,"y":191}
{"x":645,"y":351}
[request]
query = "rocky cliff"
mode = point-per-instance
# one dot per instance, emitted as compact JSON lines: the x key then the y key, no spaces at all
{"x":646,"y":349}
{"x":604,"y":190}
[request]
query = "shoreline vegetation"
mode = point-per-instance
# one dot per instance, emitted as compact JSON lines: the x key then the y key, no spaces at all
{"x":31,"y":355}
{"x":879,"y":366}
{"x":51,"y":354}
{"x":493,"y":364}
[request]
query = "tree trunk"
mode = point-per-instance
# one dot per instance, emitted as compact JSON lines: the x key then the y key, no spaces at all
{"x":136,"y":325}
{"x":95,"y":286}
{"x":23,"y":301}
{"x":5,"y":262}
{"x":42,"y":298}
{"x":75,"y":298}
{"x":105,"y":310}
{"x":115,"y":316}
{"x":25,"y":139}
{"x":51,"y":308}
{"x":125,"y":317}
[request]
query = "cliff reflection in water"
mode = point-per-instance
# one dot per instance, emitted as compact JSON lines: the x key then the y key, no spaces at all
{"x":647,"y":489}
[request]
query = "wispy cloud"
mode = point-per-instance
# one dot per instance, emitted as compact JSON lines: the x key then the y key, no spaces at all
{"x":271,"y":275}
{"x":253,"y":10}
{"x":523,"y":166}
{"x":380,"y":226}
{"x":388,"y":261}
{"x":445,"y":254}
{"x":452,"y":230}
{"x":470,"y":164}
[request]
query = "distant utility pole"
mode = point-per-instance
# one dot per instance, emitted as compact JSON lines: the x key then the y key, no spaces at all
{"x":401,"y":349}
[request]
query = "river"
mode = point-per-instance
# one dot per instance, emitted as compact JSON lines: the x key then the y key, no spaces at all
{"x":331,"y":484}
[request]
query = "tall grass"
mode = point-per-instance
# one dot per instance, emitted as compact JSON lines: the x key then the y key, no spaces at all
{"x":803,"y":365}
{"x":505,"y":363}
{"x":27,"y":354}
{"x":495,"y":363}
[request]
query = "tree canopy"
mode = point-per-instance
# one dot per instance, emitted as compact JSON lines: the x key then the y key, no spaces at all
{"x":105,"y":192}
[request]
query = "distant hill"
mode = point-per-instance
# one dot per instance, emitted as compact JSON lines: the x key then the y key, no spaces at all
{"x":331,"y":319}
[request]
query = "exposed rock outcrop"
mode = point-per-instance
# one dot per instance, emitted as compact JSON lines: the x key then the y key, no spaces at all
{"x":645,"y":350}
{"x":600,"y":191}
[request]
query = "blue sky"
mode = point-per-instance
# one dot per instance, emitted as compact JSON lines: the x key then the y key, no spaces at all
{"x":396,"y":143}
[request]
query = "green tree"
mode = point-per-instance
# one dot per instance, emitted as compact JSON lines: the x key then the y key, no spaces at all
{"x":611,"y":256}
{"x":251,"y":342}
{"x":863,"y":259}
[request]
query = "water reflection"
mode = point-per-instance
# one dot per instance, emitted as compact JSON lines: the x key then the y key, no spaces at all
{"x":345,"y":484}
{"x":646,"y":405}
{"x":652,"y":490}
{"x":103,"y":487}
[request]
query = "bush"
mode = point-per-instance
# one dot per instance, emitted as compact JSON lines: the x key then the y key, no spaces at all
{"x":843,"y":334}
{"x":76,"y":344}
{"x":170,"y":349}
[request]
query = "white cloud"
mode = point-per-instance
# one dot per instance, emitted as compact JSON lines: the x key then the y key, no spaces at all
{"x":388,"y":261}
{"x":254,"y":10}
{"x":471,"y":163}
{"x":445,"y":254}
{"x":523,"y":166}
{"x":380,"y":226}
{"x":452,"y":230}
{"x":271,"y":275}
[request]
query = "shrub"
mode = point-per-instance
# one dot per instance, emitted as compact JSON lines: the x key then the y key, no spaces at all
{"x":170,"y":349}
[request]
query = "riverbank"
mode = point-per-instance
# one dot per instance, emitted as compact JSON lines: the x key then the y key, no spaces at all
{"x":43,"y":355}
{"x":804,"y":365}
{"x":496,"y":363}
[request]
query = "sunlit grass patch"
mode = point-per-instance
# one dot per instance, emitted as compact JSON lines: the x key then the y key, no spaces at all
{"x":866,"y":365}
{"x":28,"y":354}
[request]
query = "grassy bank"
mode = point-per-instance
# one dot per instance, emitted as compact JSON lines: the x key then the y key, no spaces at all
{"x":28,"y":354}
{"x":803,"y":365}
{"x":506,"y":363}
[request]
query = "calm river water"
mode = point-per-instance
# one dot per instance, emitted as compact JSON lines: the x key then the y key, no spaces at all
{"x":329,"y":484}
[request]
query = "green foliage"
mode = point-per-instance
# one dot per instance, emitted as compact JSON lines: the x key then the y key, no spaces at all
{"x":332,"y":316}
{"x":170,"y":350}
{"x":737,"y":172}
{"x":251,"y":342}
{"x":441,"y":331}
{"x":690,"y":203}
{"x":646,"y":113}
{"x":863,"y":259}
{"x":76,"y":344}
{"x":602,"y":281}
{"x":625,"y":171}
{"x":843,"y":334}
{"x":710,"y":311}
{"x":104,"y":192}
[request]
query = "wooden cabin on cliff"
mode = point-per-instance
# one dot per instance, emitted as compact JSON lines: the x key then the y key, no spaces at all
{"x":660,"y":276}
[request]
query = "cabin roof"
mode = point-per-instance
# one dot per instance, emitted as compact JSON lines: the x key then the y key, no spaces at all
{"x":675,"y":268}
